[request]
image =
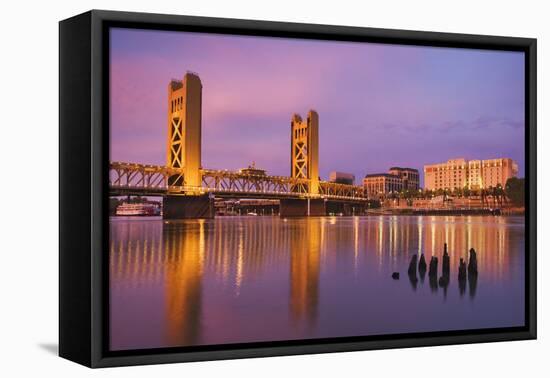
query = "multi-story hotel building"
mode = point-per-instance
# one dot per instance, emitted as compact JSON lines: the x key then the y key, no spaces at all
{"x":471,"y":174}
{"x":409,"y":176}
{"x":382,"y":183}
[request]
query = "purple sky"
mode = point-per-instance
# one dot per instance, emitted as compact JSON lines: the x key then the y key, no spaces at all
{"x":379,"y":105}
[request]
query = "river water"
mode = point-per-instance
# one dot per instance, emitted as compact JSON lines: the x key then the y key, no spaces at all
{"x":254,"y":278}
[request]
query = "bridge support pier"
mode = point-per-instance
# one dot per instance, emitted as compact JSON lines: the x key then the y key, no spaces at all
{"x":188,"y":207}
{"x":302,"y":207}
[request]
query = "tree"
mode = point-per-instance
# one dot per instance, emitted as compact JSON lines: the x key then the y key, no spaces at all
{"x":446,"y":193}
{"x":515,"y":190}
{"x":500,"y":194}
{"x":458,"y":192}
{"x":466,"y":192}
{"x":373,"y":204}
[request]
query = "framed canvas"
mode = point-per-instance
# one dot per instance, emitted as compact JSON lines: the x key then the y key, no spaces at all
{"x":234,"y":188}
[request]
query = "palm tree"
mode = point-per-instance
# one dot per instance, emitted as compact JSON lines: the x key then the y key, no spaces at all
{"x":466,"y":192}
{"x":458,"y":192}
{"x":499,"y":191}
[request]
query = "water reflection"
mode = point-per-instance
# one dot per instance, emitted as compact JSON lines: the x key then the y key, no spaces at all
{"x":241,"y":279}
{"x":183,"y":282}
{"x":305,"y":247}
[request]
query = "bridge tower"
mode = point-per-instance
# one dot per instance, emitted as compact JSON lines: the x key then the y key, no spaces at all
{"x":305,"y":151}
{"x":184,"y":151}
{"x":184,"y":130}
{"x":304,"y":164}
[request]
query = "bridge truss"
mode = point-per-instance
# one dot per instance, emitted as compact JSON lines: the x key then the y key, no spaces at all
{"x":143,"y":179}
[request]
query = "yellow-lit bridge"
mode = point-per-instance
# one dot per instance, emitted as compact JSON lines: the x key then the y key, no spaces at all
{"x":149,"y":180}
{"x":188,"y":189}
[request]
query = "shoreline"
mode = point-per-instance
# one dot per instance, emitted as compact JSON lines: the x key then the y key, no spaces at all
{"x":368,"y":214}
{"x":449,"y":212}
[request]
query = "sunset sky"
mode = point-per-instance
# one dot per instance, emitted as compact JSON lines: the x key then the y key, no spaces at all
{"x":379,"y":105}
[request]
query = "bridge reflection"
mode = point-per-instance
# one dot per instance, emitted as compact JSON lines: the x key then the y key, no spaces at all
{"x":268,"y":265}
{"x":183,"y":282}
{"x":305,"y":251}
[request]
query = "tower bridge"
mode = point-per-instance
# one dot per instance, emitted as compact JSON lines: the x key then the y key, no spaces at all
{"x":188,"y":189}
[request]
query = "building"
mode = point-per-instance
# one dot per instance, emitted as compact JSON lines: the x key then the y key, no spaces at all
{"x":342,"y":178}
{"x":409,"y":176}
{"x":379,"y":184}
{"x":396,"y":180}
{"x":471,"y":174}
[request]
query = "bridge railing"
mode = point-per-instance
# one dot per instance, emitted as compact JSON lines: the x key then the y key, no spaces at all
{"x":341,"y":190}
{"x":138,"y":175}
{"x":228,"y":181}
{"x":153,"y":179}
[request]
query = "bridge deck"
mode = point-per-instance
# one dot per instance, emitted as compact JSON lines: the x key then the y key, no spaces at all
{"x":152,"y":180}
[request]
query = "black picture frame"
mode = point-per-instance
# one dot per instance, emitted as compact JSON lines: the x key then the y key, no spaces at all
{"x":83,"y":181}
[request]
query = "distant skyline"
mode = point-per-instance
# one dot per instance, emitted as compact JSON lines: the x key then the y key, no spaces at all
{"x":379,"y":105}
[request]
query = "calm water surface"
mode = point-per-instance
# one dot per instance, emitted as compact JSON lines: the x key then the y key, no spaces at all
{"x":246,"y":279}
